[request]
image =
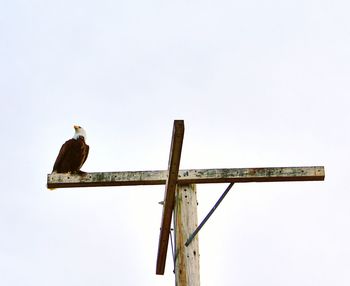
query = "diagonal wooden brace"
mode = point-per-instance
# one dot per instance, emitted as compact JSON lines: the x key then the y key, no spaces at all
{"x":169,"y":196}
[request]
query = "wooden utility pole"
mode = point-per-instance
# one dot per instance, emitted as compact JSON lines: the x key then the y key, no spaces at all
{"x":180,"y":197}
{"x":185,"y":221}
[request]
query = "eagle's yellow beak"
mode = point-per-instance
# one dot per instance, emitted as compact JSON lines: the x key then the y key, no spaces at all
{"x":76,"y":127}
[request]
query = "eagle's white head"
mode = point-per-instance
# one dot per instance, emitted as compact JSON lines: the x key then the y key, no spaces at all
{"x":79,"y":132}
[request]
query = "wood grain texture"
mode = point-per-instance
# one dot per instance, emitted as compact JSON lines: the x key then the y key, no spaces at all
{"x":187,"y":272}
{"x":193,"y":176}
{"x":169,"y":194}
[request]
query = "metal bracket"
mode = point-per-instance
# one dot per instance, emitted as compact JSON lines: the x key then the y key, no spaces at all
{"x":193,"y":235}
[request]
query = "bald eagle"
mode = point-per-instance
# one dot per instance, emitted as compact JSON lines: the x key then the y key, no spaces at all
{"x":73,"y":153}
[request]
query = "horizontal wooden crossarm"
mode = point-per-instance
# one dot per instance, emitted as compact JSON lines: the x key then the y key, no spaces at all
{"x":194,"y":176}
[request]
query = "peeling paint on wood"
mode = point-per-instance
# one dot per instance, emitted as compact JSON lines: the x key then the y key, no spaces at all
{"x":195,"y":176}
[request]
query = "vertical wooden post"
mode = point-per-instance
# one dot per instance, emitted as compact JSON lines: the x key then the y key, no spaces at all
{"x":185,"y":220}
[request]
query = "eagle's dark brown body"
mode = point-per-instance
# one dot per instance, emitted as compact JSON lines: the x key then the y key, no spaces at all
{"x":72,"y":156}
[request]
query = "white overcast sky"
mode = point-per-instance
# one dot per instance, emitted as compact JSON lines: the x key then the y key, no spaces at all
{"x":258,"y":83}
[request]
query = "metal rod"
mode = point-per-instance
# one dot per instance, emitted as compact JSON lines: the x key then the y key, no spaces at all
{"x":193,"y":235}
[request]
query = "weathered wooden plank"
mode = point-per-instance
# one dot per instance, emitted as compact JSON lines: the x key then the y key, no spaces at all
{"x":187,"y":258}
{"x":194,"y":176}
{"x":107,"y":179}
{"x":242,"y":175}
{"x":169,"y":195}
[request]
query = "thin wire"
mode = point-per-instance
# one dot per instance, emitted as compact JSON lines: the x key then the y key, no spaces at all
{"x":172,"y":249}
